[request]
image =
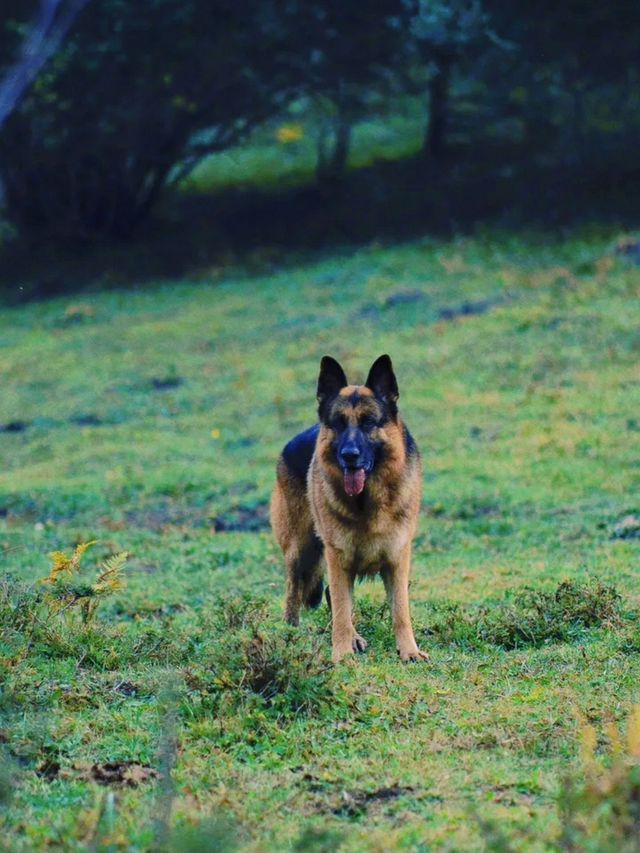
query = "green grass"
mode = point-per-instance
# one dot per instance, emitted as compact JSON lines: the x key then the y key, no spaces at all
{"x":266,"y":162}
{"x":152,"y":419}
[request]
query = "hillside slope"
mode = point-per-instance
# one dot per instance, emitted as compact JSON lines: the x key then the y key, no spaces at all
{"x":150,"y":420}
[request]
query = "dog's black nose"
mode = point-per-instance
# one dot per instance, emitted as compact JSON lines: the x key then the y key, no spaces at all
{"x":350,"y":456}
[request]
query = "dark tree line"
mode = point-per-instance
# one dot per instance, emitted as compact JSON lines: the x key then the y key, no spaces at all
{"x":131,"y":94}
{"x":44,"y":37}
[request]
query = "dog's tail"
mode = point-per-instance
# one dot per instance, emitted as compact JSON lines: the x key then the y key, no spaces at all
{"x":314,"y":596}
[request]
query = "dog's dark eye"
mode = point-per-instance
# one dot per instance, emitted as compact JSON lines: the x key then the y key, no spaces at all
{"x":368,"y":423}
{"x":338,"y":423}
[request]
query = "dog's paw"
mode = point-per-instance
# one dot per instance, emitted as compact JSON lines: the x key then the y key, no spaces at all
{"x":359,"y":644}
{"x":343,"y":656}
{"x":356,"y":644}
{"x":414,"y":654}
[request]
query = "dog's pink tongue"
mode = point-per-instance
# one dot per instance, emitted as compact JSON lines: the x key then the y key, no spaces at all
{"x":354,"y":481}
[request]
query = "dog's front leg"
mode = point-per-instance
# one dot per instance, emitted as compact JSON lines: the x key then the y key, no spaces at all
{"x":340,"y":584}
{"x":396,"y":582}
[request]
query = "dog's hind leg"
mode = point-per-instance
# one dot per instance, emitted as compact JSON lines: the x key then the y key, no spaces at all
{"x":293,"y":526}
{"x":304,"y":577}
{"x":293,"y":599}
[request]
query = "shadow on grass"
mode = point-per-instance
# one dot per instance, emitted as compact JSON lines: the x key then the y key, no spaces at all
{"x":261,"y":230}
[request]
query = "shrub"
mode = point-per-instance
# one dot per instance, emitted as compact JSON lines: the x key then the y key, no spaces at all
{"x":533,"y":618}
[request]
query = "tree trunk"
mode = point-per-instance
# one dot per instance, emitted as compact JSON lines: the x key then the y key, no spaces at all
{"x":340,"y":154}
{"x":332,"y":165}
{"x":435,"y":141}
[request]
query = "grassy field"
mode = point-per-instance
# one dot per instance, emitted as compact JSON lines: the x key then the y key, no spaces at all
{"x":181,"y":713}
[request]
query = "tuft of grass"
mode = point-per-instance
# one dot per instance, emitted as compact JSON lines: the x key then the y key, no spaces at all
{"x":318,"y":840}
{"x":221,"y":833}
{"x":19,"y":602}
{"x":598,"y":801}
{"x":600,"y":807}
{"x":8,"y":777}
{"x":261,"y":665}
{"x":530,"y":618}
{"x":240,"y":612}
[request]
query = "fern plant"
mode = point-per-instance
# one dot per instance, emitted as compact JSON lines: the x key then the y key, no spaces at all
{"x":65,"y":591}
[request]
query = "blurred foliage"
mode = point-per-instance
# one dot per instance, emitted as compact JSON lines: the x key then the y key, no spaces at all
{"x":136,"y":95}
{"x":569,"y":74}
{"x":348,"y":61}
{"x":139,"y":93}
{"x":600,"y":808}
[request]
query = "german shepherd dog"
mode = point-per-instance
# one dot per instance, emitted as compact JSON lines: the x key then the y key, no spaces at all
{"x":349,"y":489}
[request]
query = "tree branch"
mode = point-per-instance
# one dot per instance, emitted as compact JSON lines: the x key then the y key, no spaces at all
{"x":44,"y":38}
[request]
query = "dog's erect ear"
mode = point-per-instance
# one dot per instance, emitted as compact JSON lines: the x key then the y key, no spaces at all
{"x":331,"y":379}
{"x":382,"y":380}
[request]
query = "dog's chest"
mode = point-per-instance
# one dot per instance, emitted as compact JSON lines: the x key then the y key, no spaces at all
{"x":368,"y":553}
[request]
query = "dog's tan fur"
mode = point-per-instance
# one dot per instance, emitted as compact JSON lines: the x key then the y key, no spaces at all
{"x":360,"y":536}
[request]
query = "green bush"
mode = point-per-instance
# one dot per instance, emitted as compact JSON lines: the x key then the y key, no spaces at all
{"x":532,"y":618}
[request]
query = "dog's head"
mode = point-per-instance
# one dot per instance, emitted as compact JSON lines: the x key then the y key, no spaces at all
{"x":357,"y":421}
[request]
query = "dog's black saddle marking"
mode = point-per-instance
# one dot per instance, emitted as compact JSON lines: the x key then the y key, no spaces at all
{"x":298,"y":452}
